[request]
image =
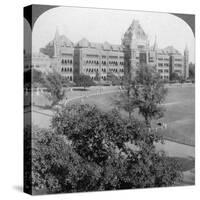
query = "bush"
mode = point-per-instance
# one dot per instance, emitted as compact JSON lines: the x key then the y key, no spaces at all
{"x":57,"y":168}
{"x":91,"y":150}
{"x":123,"y":150}
{"x":83,"y":80}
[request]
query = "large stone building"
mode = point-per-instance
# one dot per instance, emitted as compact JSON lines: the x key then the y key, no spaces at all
{"x":94,"y":59}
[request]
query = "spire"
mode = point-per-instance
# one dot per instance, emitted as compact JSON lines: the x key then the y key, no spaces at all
{"x":56,"y":34}
{"x":56,"y":42}
{"x":186,"y":48}
{"x":155,"y":46}
{"x":134,"y":24}
{"x":186,"y":62}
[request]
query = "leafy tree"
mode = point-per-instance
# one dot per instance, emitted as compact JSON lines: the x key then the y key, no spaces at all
{"x":123,"y":151}
{"x":174,"y":76}
{"x":97,"y":76}
{"x":145,"y":93}
{"x":56,"y":167}
{"x":53,"y":83}
{"x":127,"y":99}
{"x":83,"y":80}
{"x":115,"y":80}
{"x":192,"y":71}
{"x":90,"y":150}
{"x":151,"y":93}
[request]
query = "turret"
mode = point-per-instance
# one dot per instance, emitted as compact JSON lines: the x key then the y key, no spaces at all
{"x":186,"y":62}
{"x":55,"y":42}
{"x":155,"y":46}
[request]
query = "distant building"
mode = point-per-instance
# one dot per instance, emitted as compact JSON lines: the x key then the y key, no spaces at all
{"x":98,"y":59}
{"x":166,"y":61}
{"x":101,"y":58}
{"x":38,"y":61}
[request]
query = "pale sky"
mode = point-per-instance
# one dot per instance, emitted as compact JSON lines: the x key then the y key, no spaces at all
{"x":100,"y":25}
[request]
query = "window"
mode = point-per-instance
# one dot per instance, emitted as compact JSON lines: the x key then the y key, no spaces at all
{"x":178,"y":65}
{"x":176,"y":59}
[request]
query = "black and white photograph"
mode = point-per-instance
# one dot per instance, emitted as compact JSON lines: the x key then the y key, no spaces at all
{"x":109,"y":99}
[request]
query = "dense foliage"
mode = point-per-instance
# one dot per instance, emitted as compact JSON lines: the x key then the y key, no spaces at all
{"x":54,"y":84}
{"x":174,"y":76}
{"x":192,"y":71}
{"x":83,"y":80}
{"x":151,"y":93}
{"x":88,"y":150}
{"x":146,"y":93}
{"x":113,"y":79}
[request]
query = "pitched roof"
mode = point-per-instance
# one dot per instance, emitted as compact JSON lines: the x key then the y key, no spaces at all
{"x":135,"y":30}
{"x":83,"y":43}
{"x":171,"y":50}
{"x":64,"y":41}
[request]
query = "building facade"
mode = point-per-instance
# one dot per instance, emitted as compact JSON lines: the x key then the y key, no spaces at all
{"x":99,"y":59}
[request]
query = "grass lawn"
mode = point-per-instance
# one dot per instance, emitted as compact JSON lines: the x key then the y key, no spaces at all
{"x":179,"y":115}
{"x":184,"y":164}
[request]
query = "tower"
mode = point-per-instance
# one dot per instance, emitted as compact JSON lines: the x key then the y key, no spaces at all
{"x":135,"y":43}
{"x":55,"y":43}
{"x":186,"y":62}
{"x":155,"y":45}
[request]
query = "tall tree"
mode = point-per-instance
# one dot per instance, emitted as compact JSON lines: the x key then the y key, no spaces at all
{"x":127,"y":99}
{"x":174,"y":76}
{"x":192,"y":71}
{"x":123,"y":151}
{"x":115,"y":80}
{"x":97,"y":76}
{"x":151,"y":93}
{"x":83,"y":80}
{"x":144,"y":92}
{"x":54,"y":84}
